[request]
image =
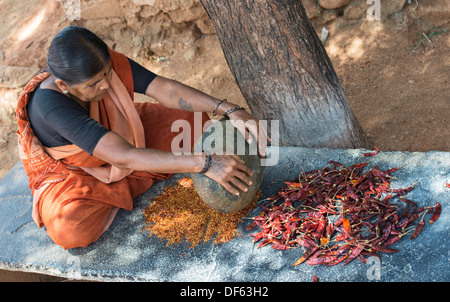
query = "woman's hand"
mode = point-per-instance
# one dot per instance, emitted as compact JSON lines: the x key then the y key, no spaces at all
{"x":229,"y":171}
{"x":250,"y":128}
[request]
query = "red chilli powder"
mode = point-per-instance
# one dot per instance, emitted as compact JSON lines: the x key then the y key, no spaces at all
{"x":179,"y":213}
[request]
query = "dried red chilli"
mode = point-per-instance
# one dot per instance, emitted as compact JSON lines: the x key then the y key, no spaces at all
{"x":372,"y":153}
{"x":418,"y":229}
{"x":437,"y":213}
{"x":338,"y":214}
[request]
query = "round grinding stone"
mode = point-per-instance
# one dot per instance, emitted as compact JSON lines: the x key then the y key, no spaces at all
{"x":223,"y":138}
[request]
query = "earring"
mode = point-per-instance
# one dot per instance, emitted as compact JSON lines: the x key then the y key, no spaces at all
{"x":66,"y":91}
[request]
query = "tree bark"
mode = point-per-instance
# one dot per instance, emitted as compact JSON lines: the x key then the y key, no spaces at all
{"x":284,"y":72}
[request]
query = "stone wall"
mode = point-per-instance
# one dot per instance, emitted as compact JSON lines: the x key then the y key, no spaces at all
{"x":141,"y":28}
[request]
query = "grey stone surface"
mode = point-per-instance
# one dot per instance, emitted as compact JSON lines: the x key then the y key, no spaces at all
{"x":127,"y":253}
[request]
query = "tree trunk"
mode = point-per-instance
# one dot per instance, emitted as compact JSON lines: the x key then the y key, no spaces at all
{"x":284,"y":72}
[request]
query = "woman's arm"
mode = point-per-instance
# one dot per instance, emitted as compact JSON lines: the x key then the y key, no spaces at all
{"x":175,"y":95}
{"x":115,"y":150}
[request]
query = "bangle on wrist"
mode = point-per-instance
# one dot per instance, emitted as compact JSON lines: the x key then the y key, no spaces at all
{"x":228,"y":112}
{"x":207,"y":164}
{"x":214,"y":111}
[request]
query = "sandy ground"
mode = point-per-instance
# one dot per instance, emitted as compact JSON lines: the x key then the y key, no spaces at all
{"x":395,"y":71}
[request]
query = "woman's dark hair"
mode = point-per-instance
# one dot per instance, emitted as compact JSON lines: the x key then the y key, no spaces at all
{"x":76,"y":55}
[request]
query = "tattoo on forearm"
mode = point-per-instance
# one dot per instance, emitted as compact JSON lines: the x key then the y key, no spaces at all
{"x":184,"y":105}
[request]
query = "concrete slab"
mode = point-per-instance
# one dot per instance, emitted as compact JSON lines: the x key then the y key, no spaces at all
{"x":126,"y":253}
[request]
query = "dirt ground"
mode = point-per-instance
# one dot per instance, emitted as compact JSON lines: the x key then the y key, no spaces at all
{"x":395,"y":71}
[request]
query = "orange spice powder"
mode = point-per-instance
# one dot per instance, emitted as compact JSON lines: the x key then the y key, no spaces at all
{"x":179,"y":213}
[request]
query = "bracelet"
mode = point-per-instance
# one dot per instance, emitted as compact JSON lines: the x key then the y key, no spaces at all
{"x":214,"y":111}
{"x":207,"y":163}
{"x":232,"y":110}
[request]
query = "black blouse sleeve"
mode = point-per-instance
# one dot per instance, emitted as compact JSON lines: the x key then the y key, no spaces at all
{"x":58,"y":120}
{"x":142,"y":77}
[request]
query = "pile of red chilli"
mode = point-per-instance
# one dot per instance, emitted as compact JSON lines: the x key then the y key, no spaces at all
{"x":338,"y":214}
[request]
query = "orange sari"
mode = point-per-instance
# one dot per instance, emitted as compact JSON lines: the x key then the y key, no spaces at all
{"x":75,"y":195}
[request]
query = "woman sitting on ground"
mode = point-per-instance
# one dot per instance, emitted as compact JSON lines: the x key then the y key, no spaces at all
{"x":88,"y":149}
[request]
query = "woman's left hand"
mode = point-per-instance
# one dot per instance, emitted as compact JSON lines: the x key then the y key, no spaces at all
{"x":251,"y":128}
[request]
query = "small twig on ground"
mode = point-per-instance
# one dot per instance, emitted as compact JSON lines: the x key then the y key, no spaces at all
{"x":427,"y":37}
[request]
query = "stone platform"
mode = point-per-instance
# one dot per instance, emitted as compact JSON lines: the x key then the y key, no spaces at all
{"x":127,"y":253}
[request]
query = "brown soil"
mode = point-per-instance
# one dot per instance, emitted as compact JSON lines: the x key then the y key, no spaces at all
{"x":396,"y":79}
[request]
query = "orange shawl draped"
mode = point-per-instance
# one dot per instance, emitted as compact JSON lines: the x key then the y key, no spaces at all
{"x":75,"y":195}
